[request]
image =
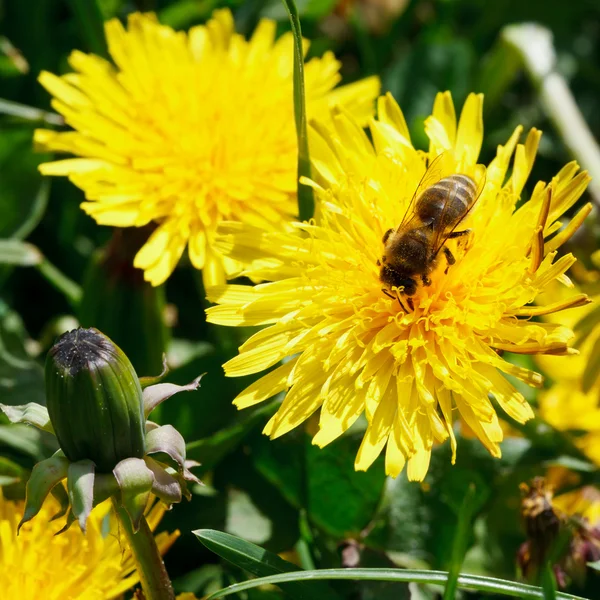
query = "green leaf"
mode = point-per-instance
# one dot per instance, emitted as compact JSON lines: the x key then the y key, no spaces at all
{"x":89,"y":18}
{"x":269,"y":518}
{"x":261,"y":563}
{"x":306,"y":205}
{"x":21,"y":378}
{"x":210,"y":450}
{"x":10,"y":472}
{"x":23,"y":193}
{"x":492,"y":585}
{"x":245,"y":520}
{"x":30,"y":413}
{"x":183,"y":14}
{"x":23,"y":439}
{"x":430,"y":533}
{"x":338,"y":500}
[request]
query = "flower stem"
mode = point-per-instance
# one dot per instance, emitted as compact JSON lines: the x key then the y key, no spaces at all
{"x":534,"y":44}
{"x":149,"y":564}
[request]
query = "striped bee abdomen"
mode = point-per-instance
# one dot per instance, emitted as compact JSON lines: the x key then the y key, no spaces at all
{"x":449,"y":199}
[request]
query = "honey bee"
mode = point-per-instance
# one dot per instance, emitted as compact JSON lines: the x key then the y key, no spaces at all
{"x":436,"y":210}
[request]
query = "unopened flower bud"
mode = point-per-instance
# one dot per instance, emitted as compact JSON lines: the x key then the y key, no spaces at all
{"x":94,"y":400}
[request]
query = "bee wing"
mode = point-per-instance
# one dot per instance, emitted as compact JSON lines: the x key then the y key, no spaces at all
{"x":441,"y":234}
{"x":441,"y":166}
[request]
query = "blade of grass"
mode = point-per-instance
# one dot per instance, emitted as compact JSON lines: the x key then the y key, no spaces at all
{"x":261,"y":562}
{"x":29,"y":113}
{"x":459,"y":545}
{"x":491,"y":585}
{"x":548,"y":582}
{"x":60,"y":281}
{"x":306,"y":203}
{"x":91,"y":23}
{"x":36,"y":213}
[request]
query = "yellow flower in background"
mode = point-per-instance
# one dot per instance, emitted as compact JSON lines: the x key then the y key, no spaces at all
{"x":39,"y":564}
{"x":187,"y":130}
{"x":572,"y":402}
{"x":350,"y":347}
{"x":584,"y":502}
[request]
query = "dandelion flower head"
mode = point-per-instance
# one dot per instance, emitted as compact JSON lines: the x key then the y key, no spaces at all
{"x":351,"y":349}
{"x":185,"y":130}
{"x":93,"y":566}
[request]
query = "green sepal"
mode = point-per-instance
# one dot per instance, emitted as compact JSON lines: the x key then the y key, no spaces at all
{"x":62,"y":497}
{"x":71,"y":518}
{"x":80,"y":483}
{"x":105,"y":486}
{"x":31,"y":413}
{"x":157,"y":394}
{"x":135,"y":481}
{"x":166,"y":487}
{"x":44,"y":476}
{"x":165,"y":444}
{"x":153,"y":380}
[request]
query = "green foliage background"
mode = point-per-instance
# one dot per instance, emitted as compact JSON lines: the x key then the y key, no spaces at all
{"x":287,"y":495}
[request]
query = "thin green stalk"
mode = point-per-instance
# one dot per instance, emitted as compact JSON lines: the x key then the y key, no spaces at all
{"x":459,"y":545}
{"x":38,"y":208}
{"x":534,"y":44}
{"x":491,"y":585}
{"x":148,"y":562}
{"x":548,"y":582}
{"x":306,"y":203}
{"x":29,"y":113}
{"x":60,"y":281}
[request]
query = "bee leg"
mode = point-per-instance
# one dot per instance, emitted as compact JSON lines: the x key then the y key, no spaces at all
{"x":388,"y":293}
{"x":386,"y":235}
{"x":456,"y":234}
{"x":425,"y":279}
{"x":449,"y":258}
{"x":410,"y":303}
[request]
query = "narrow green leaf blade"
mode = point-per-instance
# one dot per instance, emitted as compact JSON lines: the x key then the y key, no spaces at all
{"x":501,"y":587}
{"x":459,"y":544}
{"x":89,"y":18}
{"x":260,"y":562}
{"x":306,"y":203}
{"x":18,"y":253}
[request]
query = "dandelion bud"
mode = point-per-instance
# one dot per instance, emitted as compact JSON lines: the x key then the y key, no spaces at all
{"x":94,"y":400}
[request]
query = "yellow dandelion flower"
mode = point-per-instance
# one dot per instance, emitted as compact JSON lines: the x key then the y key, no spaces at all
{"x":349,"y":346}
{"x":568,"y":405}
{"x":185,"y":130}
{"x":39,"y":564}
{"x":584,"y":502}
